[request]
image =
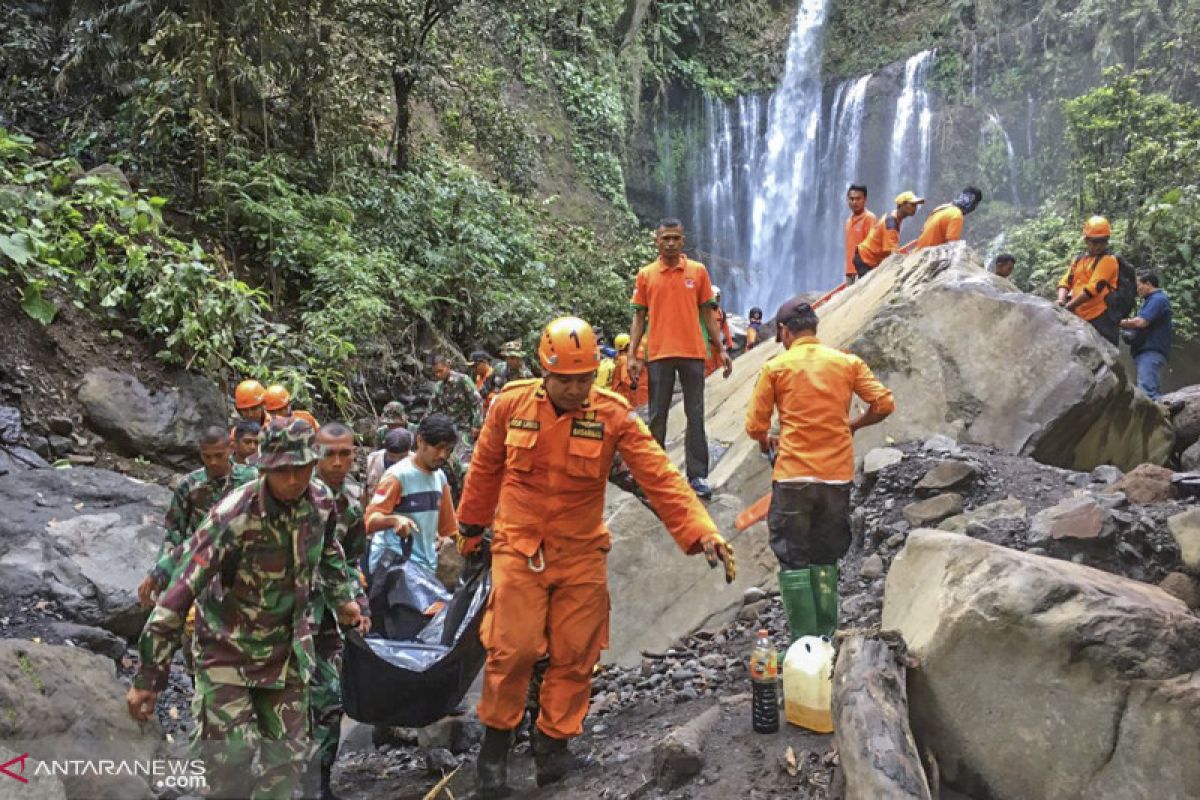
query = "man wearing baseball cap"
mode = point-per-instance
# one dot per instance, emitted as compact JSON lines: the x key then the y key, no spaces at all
{"x":884,"y":238}
{"x":811,"y":385}
{"x":272,"y":546}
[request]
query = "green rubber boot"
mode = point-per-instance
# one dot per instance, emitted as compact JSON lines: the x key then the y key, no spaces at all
{"x":796,"y":591}
{"x":825,"y":596}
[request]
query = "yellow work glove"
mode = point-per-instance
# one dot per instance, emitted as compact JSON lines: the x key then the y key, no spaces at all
{"x":716,"y":549}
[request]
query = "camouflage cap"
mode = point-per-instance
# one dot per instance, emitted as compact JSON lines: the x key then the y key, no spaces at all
{"x":512,"y":349}
{"x":394,"y":412}
{"x":287,"y":442}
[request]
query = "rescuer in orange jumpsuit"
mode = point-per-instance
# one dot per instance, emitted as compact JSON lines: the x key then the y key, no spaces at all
{"x":538,"y":479}
{"x":278,"y":402}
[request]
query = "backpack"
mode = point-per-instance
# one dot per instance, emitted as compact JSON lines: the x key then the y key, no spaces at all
{"x":1122,"y":297}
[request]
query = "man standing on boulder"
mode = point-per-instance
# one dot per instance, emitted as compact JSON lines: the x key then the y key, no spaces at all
{"x":858,"y":225}
{"x":884,"y":238}
{"x":538,"y":479}
{"x":811,"y":386}
{"x":271,"y":543}
{"x":194,"y":495}
{"x":335,"y":446}
{"x":1090,"y":278}
{"x":675,"y":295}
{"x":945,"y":223}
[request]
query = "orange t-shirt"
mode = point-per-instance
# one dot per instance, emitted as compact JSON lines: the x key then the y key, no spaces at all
{"x":480,"y":381}
{"x":857,"y":228}
{"x":675,"y":298}
{"x":812,"y":386}
{"x":539,"y":477}
{"x":1098,"y":276}
{"x":945,"y":224}
{"x":882,"y":241}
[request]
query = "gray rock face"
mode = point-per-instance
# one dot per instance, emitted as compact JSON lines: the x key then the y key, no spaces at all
{"x":933,"y":510}
{"x":1187,"y":419}
{"x":83,"y":536}
{"x":969,"y":357}
{"x":880,"y":458}
{"x":1006,"y":637}
{"x":1190,"y":459}
{"x":1008,"y":508}
{"x":162,"y":425}
{"x":16,"y":454}
{"x":950,"y":474}
{"x":1185,"y":528}
{"x":66,"y":703}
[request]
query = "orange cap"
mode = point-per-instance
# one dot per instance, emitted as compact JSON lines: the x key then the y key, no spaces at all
{"x":276,"y":397}
{"x":249,"y":393}
{"x":1097,"y":227}
{"x":568,"y":347}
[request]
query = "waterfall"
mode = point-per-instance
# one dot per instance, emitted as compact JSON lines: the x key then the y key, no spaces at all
{"x":908,"y":164}
{"x":1011,"y":157}
{"x":782,"y":200}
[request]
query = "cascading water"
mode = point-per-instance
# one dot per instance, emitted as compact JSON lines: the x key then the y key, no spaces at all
{"x":766,"y":199}
{"x":1010,"y":157}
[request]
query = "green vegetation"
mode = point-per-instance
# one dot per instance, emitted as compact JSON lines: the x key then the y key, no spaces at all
{"x":1135,"y":159}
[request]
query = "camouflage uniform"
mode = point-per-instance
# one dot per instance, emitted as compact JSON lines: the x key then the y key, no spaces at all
{"x":501,"y":374}
{"x":393,"y":414}
{"x":195,"y":494}
{"x":456,"y":398}
{"x":251,"y":568}
{"x":326,"y":688}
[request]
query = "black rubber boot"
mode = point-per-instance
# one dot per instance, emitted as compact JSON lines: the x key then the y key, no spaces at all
{"x":491,"y":768}
{"x":326,"y":786}
{"x":554,"y":760}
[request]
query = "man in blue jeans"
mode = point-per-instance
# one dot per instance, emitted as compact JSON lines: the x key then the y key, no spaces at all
{"x":1150,"y":333}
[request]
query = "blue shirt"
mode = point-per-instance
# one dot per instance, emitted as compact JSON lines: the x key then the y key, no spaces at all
{"x":1156,"y":310}
{"x":420,"y":499}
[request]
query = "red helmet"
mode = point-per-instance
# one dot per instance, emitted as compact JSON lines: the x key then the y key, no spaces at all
{"x":249,"y":393}
{"x":568,"y":347}
{"x":276,"y":397}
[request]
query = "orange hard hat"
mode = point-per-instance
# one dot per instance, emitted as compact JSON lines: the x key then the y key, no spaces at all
{"x":1097,"y":227}
{"x":568,"y":347}
{"x":249,"y":393}
{"x":276,"y":397}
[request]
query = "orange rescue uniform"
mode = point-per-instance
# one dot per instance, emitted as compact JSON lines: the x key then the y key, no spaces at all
{"x":857,"y":228}
{"x":307,"y":417}
{"x":538,"y":479}
{"x":480,"y":381}
{"x":945,"y":224}
{"x":676,"y":300}
{"x":812,"y":386}
{"x":881,"y":242}
{"x":1098,"y":276}
{"x":622,"y":382}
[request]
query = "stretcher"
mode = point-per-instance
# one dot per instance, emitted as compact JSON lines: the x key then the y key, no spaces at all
{"x":416,"y":680}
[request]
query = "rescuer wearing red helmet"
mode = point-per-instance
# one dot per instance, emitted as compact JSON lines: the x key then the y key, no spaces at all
{"x":538,"y":479}
{"x":1090,"y":278}
{"x":278,"y":402}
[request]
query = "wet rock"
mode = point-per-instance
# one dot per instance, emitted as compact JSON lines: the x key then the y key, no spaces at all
{"x":1079,"y":517}
{"x":1190,"y":459}
{"x":934,"y":510}
{"x":939,"y":443}
{"x":872,"y":567}
{"x":751,"y":611}
{"x":1106,"y":473}
{"x":60,"y":426}
{"x":62,"y":446}
{"x":994,"y":628}
{"x":895,"y":540}
{"x":949,"y":474}
{"x":456,"y":734}
{"x":752,"y":595}
{"x":1110,"y":500}
{"x":97,"y":640}
{"x":11,"y":428}
{"x":1146,"y":483}
{"x":1185,"y":418}
{"x":679,"y":756}
{"x":713,"y":661}
{"x":1185,"y":528}
{"x":881,"y":458}
{"x":439,"y":761}
{"x":1182,"y":586}
{"x":1009,"y":508}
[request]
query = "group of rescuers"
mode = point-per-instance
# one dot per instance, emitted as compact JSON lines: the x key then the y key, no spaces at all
{"x":265,"y":542}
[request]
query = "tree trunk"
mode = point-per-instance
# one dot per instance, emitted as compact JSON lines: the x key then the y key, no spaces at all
{"x":870,"y":715}
{"x":630,"y":23}
{"x":402,"y":87}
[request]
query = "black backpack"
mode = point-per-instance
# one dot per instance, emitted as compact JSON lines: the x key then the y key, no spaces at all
{"x":1122,"y":297}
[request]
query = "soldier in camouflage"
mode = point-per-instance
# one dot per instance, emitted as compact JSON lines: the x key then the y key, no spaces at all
{"x":394,"y":415}
{"x":514,"y":368}
{"x":194,"y":495}
{"x":252,"y":568}
{"x":335,"y":445}
{"x":454,"y":395}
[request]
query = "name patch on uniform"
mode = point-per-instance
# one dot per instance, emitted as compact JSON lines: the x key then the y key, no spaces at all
{"x":525,"y":424}
{"x":586,"y":429}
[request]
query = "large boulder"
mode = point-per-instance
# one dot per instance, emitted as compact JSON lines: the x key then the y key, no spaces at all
{"x":83,"y":536}
{"x":162,"y":425}
{"x":63,"y":704}
{"x":1043,"y":678}
{"x":1186,"y":417}
{"x":969,"y":358}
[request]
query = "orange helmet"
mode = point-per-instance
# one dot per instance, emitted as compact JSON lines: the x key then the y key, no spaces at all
{"x":568,"y":347}
{"x":249,"y":393}
{"x":1097,"y":227}
{"x":276,"y":397}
